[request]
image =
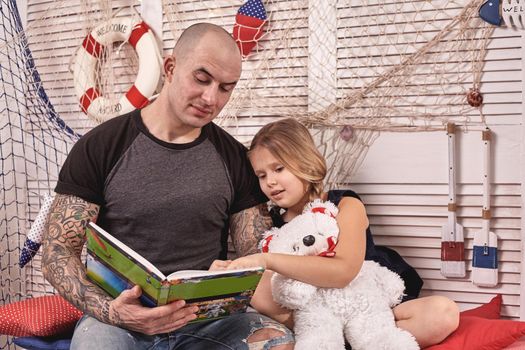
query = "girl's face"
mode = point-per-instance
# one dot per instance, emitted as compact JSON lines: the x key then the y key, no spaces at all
{"x":277,"y":182}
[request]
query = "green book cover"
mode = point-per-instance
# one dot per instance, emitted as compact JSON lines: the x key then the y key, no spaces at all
{"x":115,"y":267}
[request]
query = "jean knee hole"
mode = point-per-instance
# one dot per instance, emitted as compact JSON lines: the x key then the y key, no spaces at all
{"x":279,"y":336}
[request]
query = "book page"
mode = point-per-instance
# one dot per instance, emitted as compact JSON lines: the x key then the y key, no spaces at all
{"x":186,"y":274}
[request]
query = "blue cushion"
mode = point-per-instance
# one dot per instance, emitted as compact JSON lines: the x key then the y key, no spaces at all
{"x":41,"y":343}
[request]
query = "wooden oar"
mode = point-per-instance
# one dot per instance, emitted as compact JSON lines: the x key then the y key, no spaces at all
{"x":452,"y":241}
{"x":485,"y":250}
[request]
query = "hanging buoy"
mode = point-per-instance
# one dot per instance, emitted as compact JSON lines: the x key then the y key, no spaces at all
{"x":474,"y":97}
{"x":346,"y":133}
{"x":141,"y":38}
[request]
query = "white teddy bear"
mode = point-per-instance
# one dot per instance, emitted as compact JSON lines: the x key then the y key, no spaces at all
{"x":361,"y":311}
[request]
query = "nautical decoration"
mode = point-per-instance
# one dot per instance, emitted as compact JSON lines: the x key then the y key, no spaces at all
{"x":474,"y":97}
{"x":347,"y":132}
{"x":489,"y":12}
{"x":248,"y":27}
{"x":142,"y":39}
{"x":452,"y":240}
{"x":36,"y":233}
{"x":485,"y":250}
{"x":509,"y":12}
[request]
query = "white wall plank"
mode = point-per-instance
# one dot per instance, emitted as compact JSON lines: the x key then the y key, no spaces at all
{"x":403,"y":180}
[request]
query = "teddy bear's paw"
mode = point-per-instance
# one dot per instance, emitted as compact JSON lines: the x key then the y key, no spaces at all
{"x":315,"y":328}
{"x":388,"y":283}
{"x":405,"y":342}
{"x":318,"y":338}
{"x":390,"y":339}
{"x":314,"y":344}
{"x":348,"y":302}
{"x":291,"y":293}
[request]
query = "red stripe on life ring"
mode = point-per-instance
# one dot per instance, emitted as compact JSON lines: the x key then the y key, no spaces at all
{"x":93,"y":47}
{"x":136,"y":98}
{"x":138,"y":31}
{"x":88,"y":97}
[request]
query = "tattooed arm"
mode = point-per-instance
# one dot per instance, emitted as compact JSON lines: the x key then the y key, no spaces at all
{"x":62,"y":247}
{"x":247,"y":228}
{"x":63,"y":268}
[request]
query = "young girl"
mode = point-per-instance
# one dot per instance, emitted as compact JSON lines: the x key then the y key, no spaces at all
{"x":291,"y":172}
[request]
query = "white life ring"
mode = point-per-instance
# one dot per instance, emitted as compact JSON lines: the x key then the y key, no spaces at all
{"x":139,"y":35}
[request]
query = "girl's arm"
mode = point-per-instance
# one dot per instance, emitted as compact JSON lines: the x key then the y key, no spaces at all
{"x":262,"y":299}
{"x":263,"y":302}
{"x":322,"y":271}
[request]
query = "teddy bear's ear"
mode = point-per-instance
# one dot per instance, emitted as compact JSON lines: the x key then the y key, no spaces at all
{"x":265,"y":243}
{"x":271,"y":232}
{"x":267,"y":237}
{"x":323,"y":207}
{"x":329,"y":252}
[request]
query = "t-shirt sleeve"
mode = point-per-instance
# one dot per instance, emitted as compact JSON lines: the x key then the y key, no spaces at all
{"x":247,"y":192}
{"x":81,"y":174}
{"x":91,"y":159}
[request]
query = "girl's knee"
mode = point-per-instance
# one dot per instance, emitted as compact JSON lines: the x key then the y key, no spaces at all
{"x":447,"y":312}
{"x":270,"y":338}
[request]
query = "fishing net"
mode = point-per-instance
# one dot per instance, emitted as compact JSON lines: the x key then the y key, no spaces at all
{"x":349,"y":70}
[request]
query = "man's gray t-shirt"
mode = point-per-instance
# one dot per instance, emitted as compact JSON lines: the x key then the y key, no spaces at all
{"x":169,"y":202}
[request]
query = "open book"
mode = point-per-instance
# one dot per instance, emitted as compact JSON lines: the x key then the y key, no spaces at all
{"x":115,"y":267}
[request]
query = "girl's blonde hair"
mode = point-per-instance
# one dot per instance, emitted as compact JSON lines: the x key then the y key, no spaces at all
{"x":291,"y":143}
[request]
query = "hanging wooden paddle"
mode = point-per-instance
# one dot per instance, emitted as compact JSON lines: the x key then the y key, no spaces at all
{"x":452,"y":241}
{"x":485,"y":250}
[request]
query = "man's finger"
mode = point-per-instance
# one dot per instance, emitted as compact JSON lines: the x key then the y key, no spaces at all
{"x":177,"y":319}
{"x":187,"y":315}
{"x":133,"y":293}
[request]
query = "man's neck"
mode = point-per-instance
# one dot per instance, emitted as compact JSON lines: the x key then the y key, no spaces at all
{"x":163,"y":127}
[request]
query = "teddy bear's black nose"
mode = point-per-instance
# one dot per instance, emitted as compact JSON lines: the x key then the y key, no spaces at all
{"x":308,"y":240}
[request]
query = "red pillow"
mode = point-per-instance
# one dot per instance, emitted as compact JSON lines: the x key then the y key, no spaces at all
{"x":42,"y":316}
{"x":490,"y":310}
{"x":476,"y":333}
{"x":518,"y":345}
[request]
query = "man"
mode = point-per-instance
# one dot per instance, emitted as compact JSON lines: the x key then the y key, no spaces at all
{"x":169,"y":183}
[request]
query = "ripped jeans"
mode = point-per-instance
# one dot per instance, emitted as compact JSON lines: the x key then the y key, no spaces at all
{"x":227,"y":333}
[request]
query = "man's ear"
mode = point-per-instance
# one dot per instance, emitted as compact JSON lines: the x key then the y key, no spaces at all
{"x":169,"y":66}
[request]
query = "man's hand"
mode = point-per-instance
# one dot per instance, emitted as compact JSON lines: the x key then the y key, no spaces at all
{"x":126,"y":311}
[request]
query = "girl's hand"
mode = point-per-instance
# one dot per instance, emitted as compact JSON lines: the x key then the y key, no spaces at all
{"x":254,"y":260}
{"x":218,"y":265}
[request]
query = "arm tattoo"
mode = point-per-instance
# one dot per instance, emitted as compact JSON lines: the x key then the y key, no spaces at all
{"x":247,"y":228}
{"x":61,"y":250}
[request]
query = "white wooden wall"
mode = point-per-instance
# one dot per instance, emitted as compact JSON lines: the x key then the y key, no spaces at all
{"x":404,"y":184}
{"x":403,"y":180}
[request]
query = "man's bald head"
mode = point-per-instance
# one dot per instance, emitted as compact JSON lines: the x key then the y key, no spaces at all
{"x":192,"y":36}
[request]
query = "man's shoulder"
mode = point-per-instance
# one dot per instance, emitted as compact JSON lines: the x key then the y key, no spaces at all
{"x":110,"y":132}
{"x":110,"y":127}
{"x":220,"y":137}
